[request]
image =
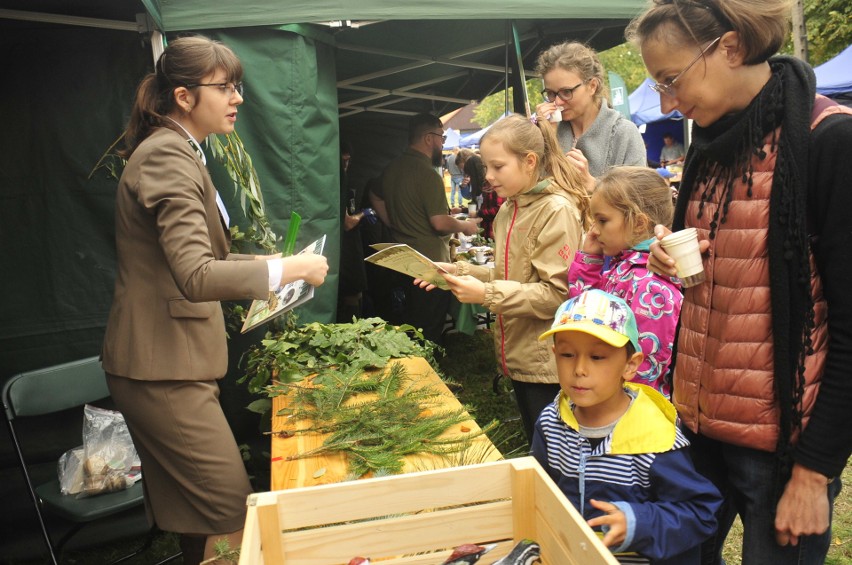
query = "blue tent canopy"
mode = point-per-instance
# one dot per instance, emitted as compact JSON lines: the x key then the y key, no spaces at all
{"x":453,"y":138}
{"x":835,"y":75}
{"x":645,"y":105}
{"x":645,"y":111}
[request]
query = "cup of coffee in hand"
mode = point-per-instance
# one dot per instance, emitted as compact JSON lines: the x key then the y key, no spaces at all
{"x":682,"y":246}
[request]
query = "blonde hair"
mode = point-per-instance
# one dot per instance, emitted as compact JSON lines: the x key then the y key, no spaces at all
{"x":640,"y":194}
{"x":521,"y":137}
{"x":577,"y":58}
{"x":762,"y":25}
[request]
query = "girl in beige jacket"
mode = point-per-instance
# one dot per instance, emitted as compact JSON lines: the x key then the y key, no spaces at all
{"x":536,"y":233}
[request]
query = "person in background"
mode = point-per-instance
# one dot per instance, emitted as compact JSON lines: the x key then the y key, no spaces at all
{"x":456,"y":176}
{"x":626,"y":205}
{"x":353,"y":273}
{"x":613,"y":445}
{"x":411,"y":198}
{"x":536,"y":233}
{"x":487,"y":201}
{"x":672,"y":151}
{"x":489,"y":206}
{"x":594,"y":136}
{"x":474,"y":173}
{"x":761,"y":379}
{"x":165,"y":344}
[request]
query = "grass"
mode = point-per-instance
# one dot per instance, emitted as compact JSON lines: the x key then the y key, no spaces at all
{"x":470,"y":364}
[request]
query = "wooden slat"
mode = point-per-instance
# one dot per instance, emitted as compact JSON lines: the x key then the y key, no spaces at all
{"x":561,"y":530}
{"x":523,"y":495}
{"x":400,"y":535}
{"x":250,"y":553}
{"x":270,"y":534}
{"x":399,"y":494}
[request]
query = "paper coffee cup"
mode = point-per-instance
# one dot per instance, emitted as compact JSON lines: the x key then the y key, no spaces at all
{"x":682,"y":246}
{"x":479,"y":255}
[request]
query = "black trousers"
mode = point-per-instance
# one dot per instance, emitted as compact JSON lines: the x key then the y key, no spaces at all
{"x":427,"y":310}
{"x":532,"y":399}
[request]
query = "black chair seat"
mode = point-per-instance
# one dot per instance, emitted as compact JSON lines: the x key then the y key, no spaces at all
{"x":86,"y":509}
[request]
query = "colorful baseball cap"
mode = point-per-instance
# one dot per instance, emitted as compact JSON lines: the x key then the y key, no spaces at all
{"x":600,"y":314}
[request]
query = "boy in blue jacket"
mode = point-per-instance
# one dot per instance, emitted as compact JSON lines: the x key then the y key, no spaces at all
{"x":613,"y":446}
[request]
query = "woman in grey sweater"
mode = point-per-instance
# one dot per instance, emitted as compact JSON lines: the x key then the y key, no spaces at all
{"x":594,"y":136}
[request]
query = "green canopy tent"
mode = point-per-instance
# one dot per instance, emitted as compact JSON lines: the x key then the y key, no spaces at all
{"x":315,"y":72}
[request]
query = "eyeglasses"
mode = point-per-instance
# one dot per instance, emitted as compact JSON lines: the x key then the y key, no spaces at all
{"x":565,"y":94}
{"x":228,"y":88}
{"x":667,"y":87}
{"x":441,"y":135}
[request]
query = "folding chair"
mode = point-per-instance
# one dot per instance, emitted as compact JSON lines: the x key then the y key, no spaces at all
{"x":49,"y":391}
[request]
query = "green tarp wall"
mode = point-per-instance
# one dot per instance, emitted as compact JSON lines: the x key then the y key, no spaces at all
{"x":67,"y":96}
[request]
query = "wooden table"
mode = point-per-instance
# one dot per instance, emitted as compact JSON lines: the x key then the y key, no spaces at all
{"x":332,"y":468}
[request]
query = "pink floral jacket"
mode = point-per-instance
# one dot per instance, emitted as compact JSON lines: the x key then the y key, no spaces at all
{"x":655,"y":301}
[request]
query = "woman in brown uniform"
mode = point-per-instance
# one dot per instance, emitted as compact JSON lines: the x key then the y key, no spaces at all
{"x":165,"y":342}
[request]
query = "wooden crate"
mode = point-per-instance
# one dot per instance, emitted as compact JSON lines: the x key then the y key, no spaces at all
{"x":417,"y":518}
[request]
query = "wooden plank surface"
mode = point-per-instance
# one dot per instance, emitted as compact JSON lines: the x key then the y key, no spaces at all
{"x":289,"y":472}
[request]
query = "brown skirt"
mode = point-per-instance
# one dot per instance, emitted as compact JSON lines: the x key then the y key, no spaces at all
{"x":194,"y":478}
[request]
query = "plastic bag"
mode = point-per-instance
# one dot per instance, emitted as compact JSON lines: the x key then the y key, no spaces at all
{"x":71,"y":471}
{"x":107,"y":461}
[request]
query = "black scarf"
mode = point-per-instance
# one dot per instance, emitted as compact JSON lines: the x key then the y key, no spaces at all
{"x":721,"y":153}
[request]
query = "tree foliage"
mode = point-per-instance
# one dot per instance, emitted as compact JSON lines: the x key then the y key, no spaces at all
{"x":829,"y":25}
{"x":625,"y":61}
{"x":492,"y":107}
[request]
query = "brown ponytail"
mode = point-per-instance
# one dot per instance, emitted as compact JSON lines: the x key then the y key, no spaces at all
{"x":186,"y":61}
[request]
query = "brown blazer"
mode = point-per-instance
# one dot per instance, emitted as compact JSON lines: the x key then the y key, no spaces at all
{"x":174,"y":267}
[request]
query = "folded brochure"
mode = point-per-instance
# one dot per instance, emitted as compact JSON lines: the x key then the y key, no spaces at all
{"x":285,"y":298}
{"x":403,"y":259}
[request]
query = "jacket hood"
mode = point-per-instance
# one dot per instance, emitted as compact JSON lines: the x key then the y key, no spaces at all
{"x":648,"y":426}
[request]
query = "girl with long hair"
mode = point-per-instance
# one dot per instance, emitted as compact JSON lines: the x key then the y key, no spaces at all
{"x":536,"y":233}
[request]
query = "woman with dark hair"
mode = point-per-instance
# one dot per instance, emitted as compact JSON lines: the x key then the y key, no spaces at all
{"x":764,"y":348}
{"x":487,"y":201}
{"x":165,"y":343}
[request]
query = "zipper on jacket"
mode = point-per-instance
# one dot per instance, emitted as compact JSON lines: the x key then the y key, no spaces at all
{"x":584,"y":457}
{"x":506,"y":277}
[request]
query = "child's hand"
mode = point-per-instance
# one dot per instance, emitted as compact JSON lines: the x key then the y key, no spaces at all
{"x":614,"y":519}
{"x":468,"y":290}
{"x":426,"y":285}
{"x":591,"y":245}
